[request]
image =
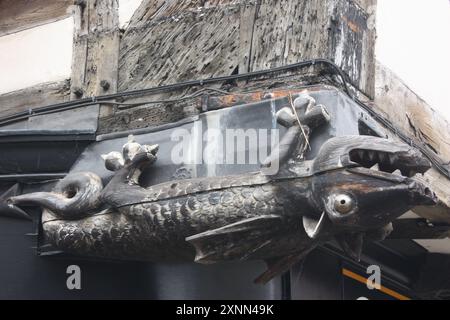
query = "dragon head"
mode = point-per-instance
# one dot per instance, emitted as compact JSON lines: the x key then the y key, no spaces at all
{"x":363,"y":183}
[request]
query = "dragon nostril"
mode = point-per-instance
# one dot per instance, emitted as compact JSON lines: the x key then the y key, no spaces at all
{"x":428,"y":192}
{"x":70,"y":193}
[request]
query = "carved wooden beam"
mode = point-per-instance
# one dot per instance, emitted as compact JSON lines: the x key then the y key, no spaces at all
{"x":277,"y":217}
{"x":32,"y":97}
{"x":419,"y":229}
{"x":415,"y":118}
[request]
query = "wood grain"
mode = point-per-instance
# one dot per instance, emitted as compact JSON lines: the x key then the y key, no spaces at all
{"x":18,"y":15}
{"x":96,"y":49}
{"x":168,"y":42}
{"x":414,"y":117}
{"x":32,"y":97}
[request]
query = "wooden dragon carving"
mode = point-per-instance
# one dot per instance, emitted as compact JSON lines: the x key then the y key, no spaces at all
{"x":352,"y":190}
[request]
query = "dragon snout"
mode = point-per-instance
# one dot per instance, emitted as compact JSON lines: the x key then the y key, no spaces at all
{"x":421,"y":194}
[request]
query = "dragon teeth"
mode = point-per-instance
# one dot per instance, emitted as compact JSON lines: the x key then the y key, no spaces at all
{"x":361,"y":154}
{"x":405,"y":173}
{"x":397,"y":172}
{"x":392,"y":159}
{"x":382,"y":156}
{"x":375,"y":167}
{"x":371,"y":155}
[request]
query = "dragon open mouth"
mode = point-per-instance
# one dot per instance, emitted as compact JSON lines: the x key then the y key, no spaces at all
{"x":396,"y":163}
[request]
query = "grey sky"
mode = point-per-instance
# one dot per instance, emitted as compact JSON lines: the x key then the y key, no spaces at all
{"x":414,"y":41}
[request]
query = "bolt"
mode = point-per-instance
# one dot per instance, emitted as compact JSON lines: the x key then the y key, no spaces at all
{"x":78,"y":92}
{"x":105,"y":85}
{"x":268,"y":96}
{"x":126,"y":118}
{"x":81,"y":3}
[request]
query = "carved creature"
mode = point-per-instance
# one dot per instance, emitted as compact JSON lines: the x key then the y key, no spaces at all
{"x":352,"y":190}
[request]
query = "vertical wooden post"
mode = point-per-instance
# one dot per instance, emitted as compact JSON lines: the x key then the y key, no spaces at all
{"x":247,"y":24}
{"x":96,"y":49}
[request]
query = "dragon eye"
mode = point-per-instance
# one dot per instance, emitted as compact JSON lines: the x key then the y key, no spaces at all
{"x":343,"y":203}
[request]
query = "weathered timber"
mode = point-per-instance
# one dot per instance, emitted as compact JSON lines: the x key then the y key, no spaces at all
{"x":168,"y":42}
{"x":153,"y":9}
{"x":414,"y":117}
{"x":36,"y":96}
{"x":368,"y":5}
{"x":419,"y":229}
{"x":151,"y":114}
{"x":410,"y":113}
{"x":147,"y":116}
{"x":291,"y":31}
{"x":18,"y":15}
{"x":96,"y":48}
{"x":173,"y":41}
{"x":193,"y":44}
{"x":246,"y":27}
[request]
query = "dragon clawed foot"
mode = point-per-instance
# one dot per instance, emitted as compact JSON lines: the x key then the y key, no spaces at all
{"x":305,"y":111}
{"x":133,"y":153}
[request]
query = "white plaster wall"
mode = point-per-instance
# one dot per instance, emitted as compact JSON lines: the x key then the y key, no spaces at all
{"x":414,"y":42}
{"x":37,"y":55}
{"x":44,"y":53}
